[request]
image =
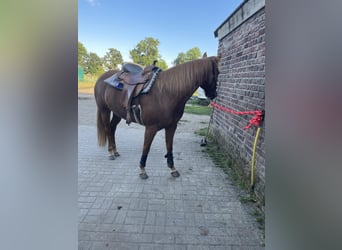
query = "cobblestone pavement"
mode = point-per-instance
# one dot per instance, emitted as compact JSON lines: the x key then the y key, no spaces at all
{"x":117,"y":210}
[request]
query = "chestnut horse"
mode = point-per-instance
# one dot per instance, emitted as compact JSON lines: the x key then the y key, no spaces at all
{"x":161,"y":108}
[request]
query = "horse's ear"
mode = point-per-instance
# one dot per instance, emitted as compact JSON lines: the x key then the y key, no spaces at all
{"x":204,"y":55}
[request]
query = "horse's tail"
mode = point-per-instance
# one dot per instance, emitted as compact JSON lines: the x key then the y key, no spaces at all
{"x":101,"y":134}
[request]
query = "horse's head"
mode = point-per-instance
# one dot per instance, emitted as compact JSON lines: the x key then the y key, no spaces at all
{"x":210,"y":85}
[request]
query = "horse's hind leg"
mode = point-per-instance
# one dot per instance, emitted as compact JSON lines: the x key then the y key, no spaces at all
{"x":169,"y":134}
{"x":112,"y":145}
{"x":105,"y":130}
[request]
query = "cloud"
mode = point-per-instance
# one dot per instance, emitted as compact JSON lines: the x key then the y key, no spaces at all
{"x":93,"y":2}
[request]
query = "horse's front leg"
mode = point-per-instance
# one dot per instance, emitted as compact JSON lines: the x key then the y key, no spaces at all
{"x":169,"y":134}
{"x":150,"y":132}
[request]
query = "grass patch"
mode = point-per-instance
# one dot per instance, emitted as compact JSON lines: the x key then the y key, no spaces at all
{"x":201,"y":132}
{"x":198,"y":101}
{"x":248,"y":198}
{"x":260,"y":218}
{"x":198,"y":110}
{"x":86,"y":85}
{"x":221,"y":160}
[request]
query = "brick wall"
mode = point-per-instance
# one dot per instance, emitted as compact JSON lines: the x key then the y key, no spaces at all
{"x":242,"y":88}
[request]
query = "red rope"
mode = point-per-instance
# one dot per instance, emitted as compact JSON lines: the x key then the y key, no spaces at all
{"x":255,"y":120}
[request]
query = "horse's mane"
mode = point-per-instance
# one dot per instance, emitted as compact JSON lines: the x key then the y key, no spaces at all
{"x":185,"y":77}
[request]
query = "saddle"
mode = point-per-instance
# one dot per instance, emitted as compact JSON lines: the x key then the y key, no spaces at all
{"x":133,"y":74}
{"x":132,"y":79}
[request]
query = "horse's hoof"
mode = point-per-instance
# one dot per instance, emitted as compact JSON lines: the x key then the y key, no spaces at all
{"x":175,"y":174}
{"x":143,"y":176}
{"x":111,"y":157}
{"x":116,"y":154}
{"x":204,"y":142}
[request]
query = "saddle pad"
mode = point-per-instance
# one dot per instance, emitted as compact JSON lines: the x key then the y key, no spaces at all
{"x":112,"y":81}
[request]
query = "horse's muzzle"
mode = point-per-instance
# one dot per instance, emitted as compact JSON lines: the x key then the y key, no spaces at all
{"x":213,"y":96}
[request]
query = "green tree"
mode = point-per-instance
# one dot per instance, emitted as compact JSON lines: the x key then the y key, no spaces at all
{"x":162,"y":64}
{"x":146,"y":51}
{"x":82,"y":55}
{"x":94,"y":64}
{"x":181,"y":58}
{"x":191,"y":54}
{"x":112,"y":59}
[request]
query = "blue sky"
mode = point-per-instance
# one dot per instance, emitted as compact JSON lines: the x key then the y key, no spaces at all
{"x":179,"y":25}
